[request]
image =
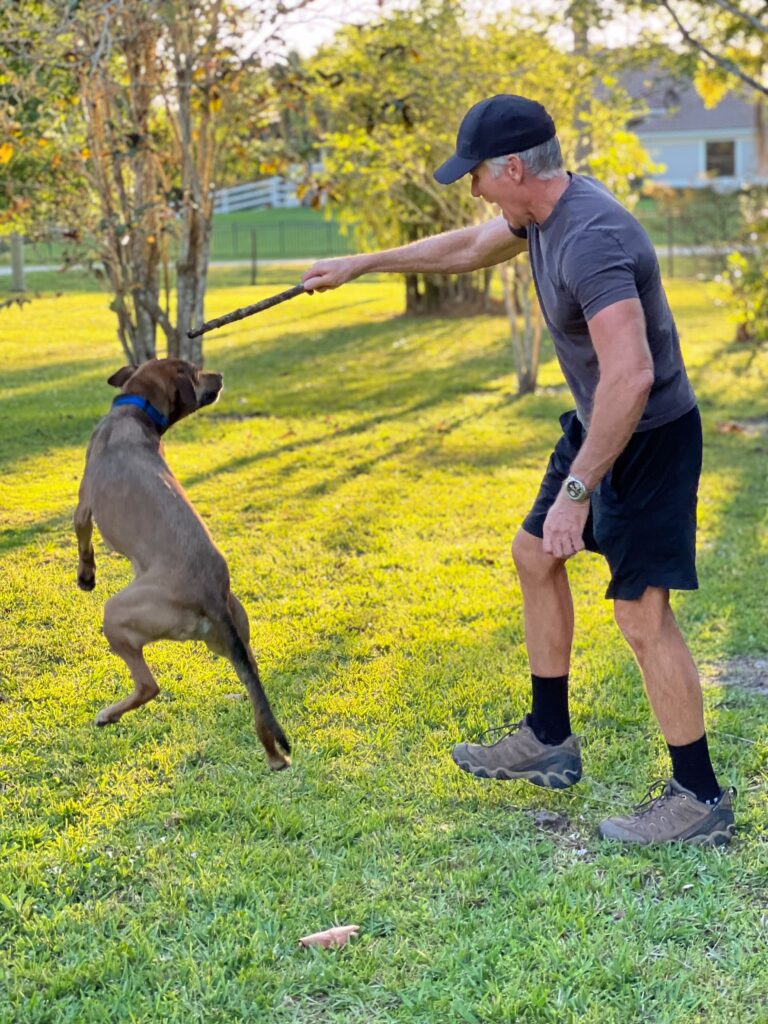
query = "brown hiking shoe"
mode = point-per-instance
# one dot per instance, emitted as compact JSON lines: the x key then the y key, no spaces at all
{"x":671,"y":814}
{"x":521,"y":755}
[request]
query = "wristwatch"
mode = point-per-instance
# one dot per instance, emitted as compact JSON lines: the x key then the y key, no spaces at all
{"x":576,"y":490}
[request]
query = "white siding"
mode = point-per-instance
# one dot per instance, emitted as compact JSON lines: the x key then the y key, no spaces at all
{"x":746,"y":159}
{"x":683,"y":155}
{"x":681,"y":161}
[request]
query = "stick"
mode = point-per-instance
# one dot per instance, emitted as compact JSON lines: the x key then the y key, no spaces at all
{"x":239,"y":314}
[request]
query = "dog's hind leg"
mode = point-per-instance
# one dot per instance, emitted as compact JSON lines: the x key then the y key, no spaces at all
{"x":86,"y":569}
{"x":133,"y":618}
{"x":217,"y":640}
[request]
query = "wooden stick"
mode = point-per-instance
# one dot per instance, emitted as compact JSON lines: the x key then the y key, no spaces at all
{"x":239,"y":314}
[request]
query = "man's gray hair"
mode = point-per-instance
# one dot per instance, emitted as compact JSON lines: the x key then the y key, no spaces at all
{"x":544,"y":161}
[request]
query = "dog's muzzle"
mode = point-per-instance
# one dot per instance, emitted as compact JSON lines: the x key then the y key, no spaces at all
{"x":211,"y":391}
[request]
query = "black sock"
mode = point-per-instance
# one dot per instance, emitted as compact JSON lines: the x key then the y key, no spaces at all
{"x":549,"y":717}
{"x":692,"y":768}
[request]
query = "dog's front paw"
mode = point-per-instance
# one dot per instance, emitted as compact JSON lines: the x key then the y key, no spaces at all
{"x":86,"y":580}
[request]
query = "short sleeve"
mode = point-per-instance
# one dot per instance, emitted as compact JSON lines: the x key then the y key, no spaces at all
{"x":518,"y":232}
{"x":597,"y":270}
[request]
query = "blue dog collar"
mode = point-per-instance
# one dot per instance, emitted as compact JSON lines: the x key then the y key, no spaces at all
{"x":160,"y":421}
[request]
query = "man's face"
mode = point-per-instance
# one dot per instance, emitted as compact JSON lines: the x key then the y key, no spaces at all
{"x":504,"y":191}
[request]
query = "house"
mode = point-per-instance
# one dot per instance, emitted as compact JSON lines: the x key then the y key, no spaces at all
{"x":723,"y":147}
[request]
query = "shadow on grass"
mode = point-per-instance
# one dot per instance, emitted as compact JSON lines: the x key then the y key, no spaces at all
{"x":54,"y":406}
{"x":44,"y":420}
{"x":21,"y":536}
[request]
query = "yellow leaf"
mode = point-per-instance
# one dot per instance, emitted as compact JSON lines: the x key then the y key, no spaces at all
{"x":6,"y":152}
{"x":711,"y":87}
{"x":215,"y":103}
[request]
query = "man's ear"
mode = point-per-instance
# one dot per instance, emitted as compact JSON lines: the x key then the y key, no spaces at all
{"x":119,"y":377}
{"x":186,"y":391}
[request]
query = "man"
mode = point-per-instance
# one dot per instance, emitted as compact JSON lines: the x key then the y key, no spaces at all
{"x":622,"y":479}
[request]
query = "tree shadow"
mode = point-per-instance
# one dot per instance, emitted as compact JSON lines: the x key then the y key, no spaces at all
{"x":12,"y":537}
{"x":53,"y":406}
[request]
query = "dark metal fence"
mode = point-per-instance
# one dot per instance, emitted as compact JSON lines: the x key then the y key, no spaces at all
{"x":692,"y":234}
{"x":283,"y":239}
{"x":233,"y":240}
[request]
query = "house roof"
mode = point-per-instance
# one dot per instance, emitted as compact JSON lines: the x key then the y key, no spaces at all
{"x":674,"y":105}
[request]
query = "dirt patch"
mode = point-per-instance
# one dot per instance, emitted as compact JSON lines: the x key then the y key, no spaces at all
{"x":551,"y":821}
{"x":754,"y":427}
{"x":747,"y":673}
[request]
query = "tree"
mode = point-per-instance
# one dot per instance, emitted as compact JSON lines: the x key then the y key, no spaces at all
{"x":727,"y":36}
{"x":386,"y":99}
{"x":728,"y":43}
{"x":154,"y":81}
{"x":746,"y":274}
{"x":39,"y":164}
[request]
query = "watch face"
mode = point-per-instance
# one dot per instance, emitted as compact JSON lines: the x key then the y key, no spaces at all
{"x":575,"y":489}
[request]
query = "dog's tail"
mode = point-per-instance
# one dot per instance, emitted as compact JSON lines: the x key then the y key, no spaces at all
{"x":268,"y":729}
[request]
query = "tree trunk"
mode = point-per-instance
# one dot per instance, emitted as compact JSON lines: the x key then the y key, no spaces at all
{"x":192,"y":276}
{"x":581,"y":15}
{"x":441,"y":293}
{"x":761,"y":139}
{"x":526,"y":342}
{"x":17,"y":264}
{"x":125,"y":176}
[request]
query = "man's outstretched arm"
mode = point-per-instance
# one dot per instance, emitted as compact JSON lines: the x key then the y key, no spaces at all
{"x":453,"y":252}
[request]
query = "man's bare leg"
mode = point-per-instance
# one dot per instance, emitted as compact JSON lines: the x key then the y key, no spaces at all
{"x":547,"y":606}
{"x":673,"y":687}
{"x":670,"y":675}
{"x":541,"y":749}
{"x":691,"y":807}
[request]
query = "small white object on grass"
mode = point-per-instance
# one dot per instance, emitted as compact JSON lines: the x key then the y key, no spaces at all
{"x":337,"y":936}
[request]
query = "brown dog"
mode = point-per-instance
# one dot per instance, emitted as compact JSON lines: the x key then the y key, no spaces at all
{"x":181,"y":585}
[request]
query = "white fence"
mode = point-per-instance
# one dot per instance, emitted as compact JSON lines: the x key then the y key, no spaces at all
{"x":256,"y":195}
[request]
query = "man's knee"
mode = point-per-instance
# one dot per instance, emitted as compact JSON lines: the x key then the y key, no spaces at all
{"x":642,"y":621}
{"x":530,"y":558}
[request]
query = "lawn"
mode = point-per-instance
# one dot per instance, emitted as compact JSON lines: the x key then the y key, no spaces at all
{"x":364,"y":474}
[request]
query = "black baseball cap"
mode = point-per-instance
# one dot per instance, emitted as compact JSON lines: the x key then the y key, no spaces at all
{"x":495,"y":127}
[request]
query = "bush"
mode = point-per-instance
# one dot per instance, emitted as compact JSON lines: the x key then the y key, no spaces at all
{"x":746,"y":274}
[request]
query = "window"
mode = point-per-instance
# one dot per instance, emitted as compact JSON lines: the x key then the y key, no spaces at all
{"x":721,"y":159}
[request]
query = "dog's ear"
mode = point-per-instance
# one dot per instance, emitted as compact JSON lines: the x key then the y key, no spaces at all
{"x":186,"y":395}
{"x":119,"y":377}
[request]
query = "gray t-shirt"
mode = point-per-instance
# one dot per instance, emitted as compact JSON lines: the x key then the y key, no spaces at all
{"x":589,"y":253}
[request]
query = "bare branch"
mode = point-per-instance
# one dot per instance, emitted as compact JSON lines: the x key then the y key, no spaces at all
{"x":759,"y":26}
{"x":723,"y":62}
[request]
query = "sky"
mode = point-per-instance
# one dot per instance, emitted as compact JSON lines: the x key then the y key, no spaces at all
{"x":317,"y":24}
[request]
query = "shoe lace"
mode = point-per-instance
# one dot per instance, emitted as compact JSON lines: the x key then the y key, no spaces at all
{"x":657,"y":793}
{"x":505,"y":727}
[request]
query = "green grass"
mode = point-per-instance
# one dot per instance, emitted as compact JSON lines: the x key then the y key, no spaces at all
{"x":364,"y":475}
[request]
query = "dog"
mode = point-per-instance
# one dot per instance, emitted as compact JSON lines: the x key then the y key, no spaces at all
{"x":181,"y":588}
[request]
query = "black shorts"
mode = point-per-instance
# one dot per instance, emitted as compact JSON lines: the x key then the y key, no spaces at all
{"x":642,"y":516}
